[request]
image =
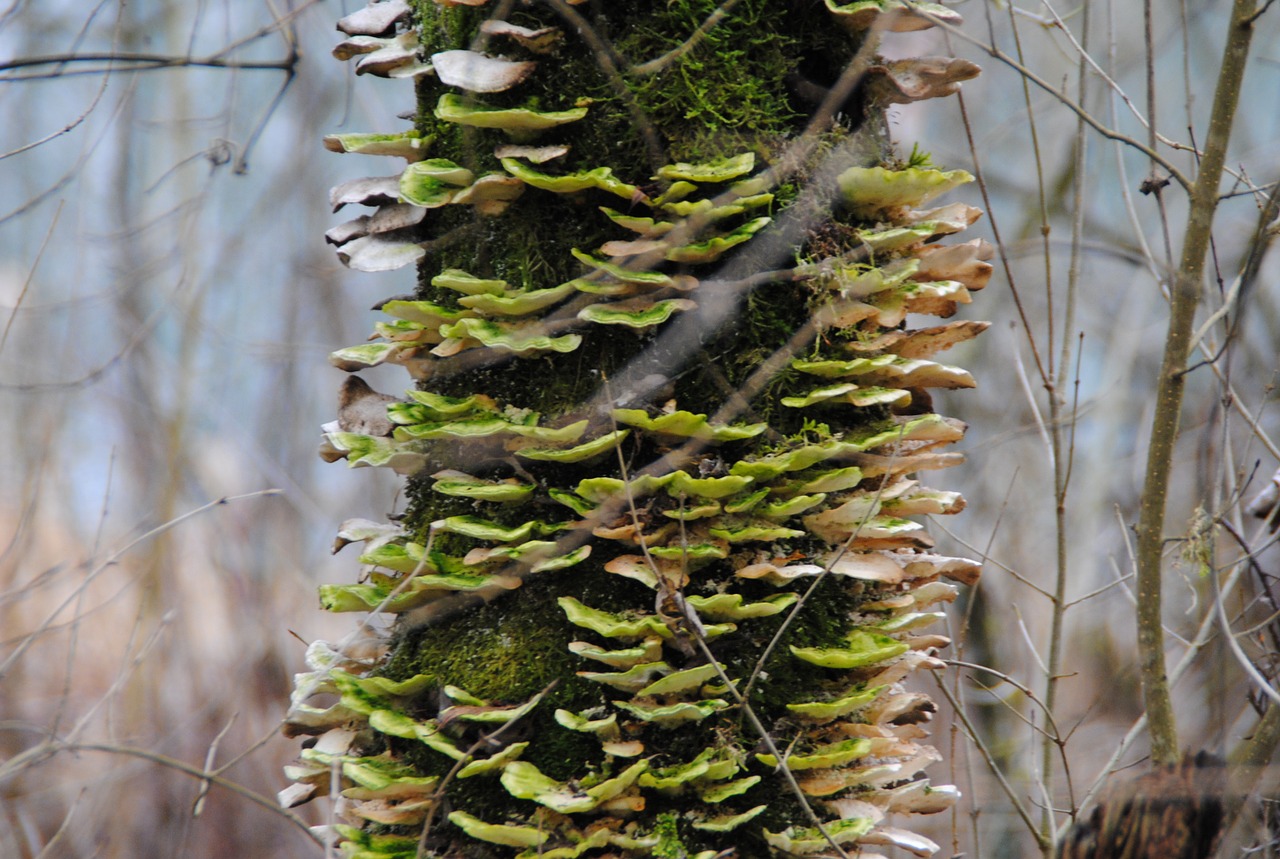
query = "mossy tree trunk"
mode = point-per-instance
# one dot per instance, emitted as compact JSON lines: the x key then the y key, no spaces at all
{"x":664,"y":439}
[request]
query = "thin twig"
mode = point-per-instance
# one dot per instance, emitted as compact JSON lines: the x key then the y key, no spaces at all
{"x":438,"y":794}
{"x":269,"y":803}
{"x":1001,"y":247}
{"x":694,"y":626}
{"x":608,"y":61}
{"x":656,"y":65}
{"x":123,"y":61}
{"x":31,"y":273}
{"x":111,"y":561}
{"x":1092,"y":121}
{"x":1228,"y":636}
{"x":976,"y":738}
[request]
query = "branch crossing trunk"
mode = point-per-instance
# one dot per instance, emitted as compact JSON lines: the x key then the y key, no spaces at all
{"x":658,"y":589}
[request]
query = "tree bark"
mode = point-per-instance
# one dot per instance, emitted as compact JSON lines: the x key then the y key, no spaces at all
{"x":656,"y":587}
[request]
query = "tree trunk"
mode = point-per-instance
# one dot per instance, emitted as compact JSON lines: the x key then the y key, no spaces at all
{"x":656,"y":589}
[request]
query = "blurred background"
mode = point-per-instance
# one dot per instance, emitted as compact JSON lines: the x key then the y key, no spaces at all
{"x":167,"y":304}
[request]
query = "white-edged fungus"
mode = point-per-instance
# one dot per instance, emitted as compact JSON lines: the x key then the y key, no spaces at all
{"x":365,"y":191}
{"x":532,"y":154}
{"x":540,"y":41}
{"x":476,"y":72}
{"x":862,"y":14}
{"x":919,"y":78}
{"x":374,"y":19}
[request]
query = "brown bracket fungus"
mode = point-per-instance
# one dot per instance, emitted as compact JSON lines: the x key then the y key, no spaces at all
{"x":604,"y":641}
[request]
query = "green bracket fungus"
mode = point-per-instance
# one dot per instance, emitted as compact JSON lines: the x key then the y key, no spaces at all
{"x":673,"y":715}
{"x":513,"y":337}
{"x":407,"y":728}
{"x":359,"y":844}
{"x":631,"y":680}
{"x":802,"y":841}
{"x":378,"y":776}
{"x":601,"y":178}
{"x":467,"y":284}
{"x":680,"y":681}
{"x":539,"y":555}
{"x":705,"y":210}
{"x":688,"y":425}
{"x":610,"y":625}
{"x":747,"y":503}
{"x":897,"y":238}
{"x":577,"y":722}
{"x":433,"y":183}
{"x":710,"y":250}
{"x":517,"y":303}
{"x":728,"y":790}
{"x":410,"y":145}
{"x":623,"y":273}
{"x":828,"y":481}
{"x":860,"y":281}
{"x":424,"y":313}
{"x":482,"y":427}
{"x":524,"y":781}
{"x":401,"y":557}
{"x":711,"y":765}
{"x":362,"y":450}
{"x":728,"y":822}
{"x":471,"y":709}
{"x":578,"y":505}
{"x":732,"y":606}
{"x":693,"y":512}
{"x":823,"y":712}
{"x":518,"y":122}
{"x":676,"y":483}
{"x":579,"y":453}
{"x":508,"y":835}
{"x":647,"y":227}
{"x":450,"y":482}
{"x":676,"y":191}
{"x":873,"y":190}
{"x":824,"y":757}
{"x":864,"y":649}
{"x":755,"y":533}
{"x":398,"y":597}
{"x":355,"y":358}
{"x":482,"y":529}
{"x":650,"y":650}
{"x":440,"y":406}
{"x":635,"y":313}
{"x":690,"y":554}
{"x":721,"y":170}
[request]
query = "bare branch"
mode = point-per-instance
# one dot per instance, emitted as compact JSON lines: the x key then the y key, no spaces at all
{"x":123,"y":61}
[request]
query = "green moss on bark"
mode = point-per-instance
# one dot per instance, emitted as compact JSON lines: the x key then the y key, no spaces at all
{"x":744,"y":89}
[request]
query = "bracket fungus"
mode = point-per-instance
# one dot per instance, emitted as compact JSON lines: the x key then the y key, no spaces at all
{"x":476,"y":72}
{"x":666,"y":445}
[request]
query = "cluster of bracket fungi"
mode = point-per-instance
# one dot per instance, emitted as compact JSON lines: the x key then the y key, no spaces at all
{"x":719,"y":539}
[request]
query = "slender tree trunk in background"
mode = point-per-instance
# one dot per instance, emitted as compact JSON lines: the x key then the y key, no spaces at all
{"x":657,"y":588}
